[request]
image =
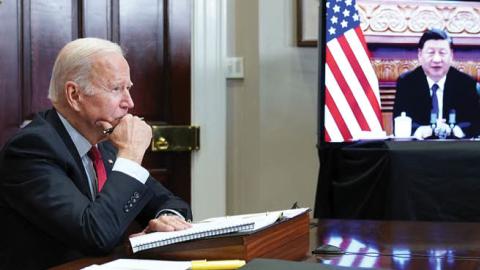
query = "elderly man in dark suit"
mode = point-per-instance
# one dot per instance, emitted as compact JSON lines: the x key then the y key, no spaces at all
{"x":68,"y":189}
{"x":435,"y":90}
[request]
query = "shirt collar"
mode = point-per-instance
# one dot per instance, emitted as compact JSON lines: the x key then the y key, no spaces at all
{"x":80,"y":142}
{"x":440,"y":83}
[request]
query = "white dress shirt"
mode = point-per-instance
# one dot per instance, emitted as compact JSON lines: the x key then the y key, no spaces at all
{"x":441,"y":87}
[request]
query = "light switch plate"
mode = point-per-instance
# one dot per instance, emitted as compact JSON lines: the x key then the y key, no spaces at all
{"x":234,"y":68}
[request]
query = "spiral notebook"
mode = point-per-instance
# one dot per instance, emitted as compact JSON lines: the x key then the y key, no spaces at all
{"x":197,"y":231}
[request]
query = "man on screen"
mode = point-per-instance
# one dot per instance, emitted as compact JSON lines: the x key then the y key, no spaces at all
{"x":71,"y":181}
{"x":440,"y":99}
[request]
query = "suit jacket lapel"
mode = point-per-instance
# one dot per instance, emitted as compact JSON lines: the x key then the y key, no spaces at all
{"x":424,"y":96}
{"x":52,"y":117}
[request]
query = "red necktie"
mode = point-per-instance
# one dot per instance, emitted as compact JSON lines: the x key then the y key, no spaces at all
{"x":97,"y":160}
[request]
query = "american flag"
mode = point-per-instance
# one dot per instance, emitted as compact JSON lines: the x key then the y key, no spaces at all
{"x":352,"y":99}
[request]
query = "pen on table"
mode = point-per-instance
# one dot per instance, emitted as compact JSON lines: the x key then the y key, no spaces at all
{"x":110,"y":130}
{"x":223,"y":264}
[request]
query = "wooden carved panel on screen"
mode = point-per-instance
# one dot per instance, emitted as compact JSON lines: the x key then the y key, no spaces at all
{"x":392,"y":29}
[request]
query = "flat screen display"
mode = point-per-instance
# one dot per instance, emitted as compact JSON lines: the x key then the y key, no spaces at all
{"x":378,"y":80}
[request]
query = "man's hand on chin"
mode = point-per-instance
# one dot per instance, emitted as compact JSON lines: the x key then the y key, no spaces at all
{"x":131,"y":136}
{"x":164,"y":224}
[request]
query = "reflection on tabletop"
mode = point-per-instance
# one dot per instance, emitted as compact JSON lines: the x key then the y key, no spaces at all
{"x":358,"y":254}
{"x":400,"y":244}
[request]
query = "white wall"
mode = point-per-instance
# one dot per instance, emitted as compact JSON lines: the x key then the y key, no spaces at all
{"x":271,"y":114}
{"x":243,"y":110}
{"x":258,"y":134}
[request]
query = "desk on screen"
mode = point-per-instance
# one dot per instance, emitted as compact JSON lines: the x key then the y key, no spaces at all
{"x":400,"y":180}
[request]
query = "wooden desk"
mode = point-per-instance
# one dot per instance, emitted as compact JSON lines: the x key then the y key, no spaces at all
{"x":416,"y":245}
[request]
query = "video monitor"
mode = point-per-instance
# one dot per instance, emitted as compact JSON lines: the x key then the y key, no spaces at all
{"x":398,"y":69}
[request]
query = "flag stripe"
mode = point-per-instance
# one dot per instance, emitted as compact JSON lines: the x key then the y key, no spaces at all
{"x":363,"y":41}
{"x":327,"y":137}
{"x":361,"y":75}
{"x":358,"y":46}
{"x":341,"y":102}
{"x":353,"y":83}
{"x":334,"y":134}
{"x":332,"y":107}
{"x":352,"y":102}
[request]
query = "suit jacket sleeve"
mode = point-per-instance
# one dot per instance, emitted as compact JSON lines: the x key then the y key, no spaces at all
{"x":43,"y":183}
{"x":162,"y":197}
{"x":461,"y":95}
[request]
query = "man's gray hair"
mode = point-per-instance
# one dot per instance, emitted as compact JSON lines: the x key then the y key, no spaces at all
{"x":74,"y":63}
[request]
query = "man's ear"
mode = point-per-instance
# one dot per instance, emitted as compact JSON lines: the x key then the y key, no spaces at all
{"x":73,"y":95}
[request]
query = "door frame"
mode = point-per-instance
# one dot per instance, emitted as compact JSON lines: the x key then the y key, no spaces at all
{"x":209,"y":111}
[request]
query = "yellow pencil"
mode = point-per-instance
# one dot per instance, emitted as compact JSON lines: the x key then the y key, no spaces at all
{"x":213,"y":265}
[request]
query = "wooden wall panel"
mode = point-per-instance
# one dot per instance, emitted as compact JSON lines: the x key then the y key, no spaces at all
{"x":178,"y":63}
{"x":97,"y":19}
{"x":48,"y":26}
{"x":178,"y":77}
{"x":10,"y":69}
{"x":141,"y":34}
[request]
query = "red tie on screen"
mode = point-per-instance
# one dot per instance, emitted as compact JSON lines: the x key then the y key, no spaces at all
{"x":97,"y":160}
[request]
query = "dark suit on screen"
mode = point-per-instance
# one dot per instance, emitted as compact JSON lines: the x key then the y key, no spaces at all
{"x":413,"y":97}
{"x":47,"y":212}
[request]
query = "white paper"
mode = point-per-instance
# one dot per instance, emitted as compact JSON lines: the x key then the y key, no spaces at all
{"x":136,"y":264}
{"x":261,"y":220}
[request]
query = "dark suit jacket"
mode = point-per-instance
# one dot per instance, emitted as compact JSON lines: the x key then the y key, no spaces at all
{"x":413,"y":97}
{"x":47,"y":213}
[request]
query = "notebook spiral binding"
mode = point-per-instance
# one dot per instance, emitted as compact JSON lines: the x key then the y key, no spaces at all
{"x":201,"y":233}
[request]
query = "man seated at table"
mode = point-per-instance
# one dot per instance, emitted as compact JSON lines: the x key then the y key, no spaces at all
{"x":67,"y":188}
{"x":433,"y":91}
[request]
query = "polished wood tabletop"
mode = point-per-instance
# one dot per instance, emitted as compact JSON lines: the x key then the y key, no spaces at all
{"x":398,"y":244}
{"x":381,"y":244}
